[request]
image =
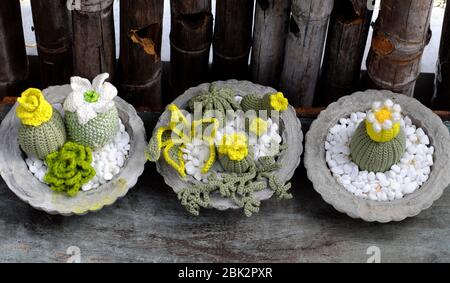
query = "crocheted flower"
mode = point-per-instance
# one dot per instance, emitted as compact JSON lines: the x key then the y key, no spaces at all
{"x":88,"y":100}
{"x":33,"y":109}
{"x":278,"y":102}
{"x":258,"y":126}
{"x":234,"y":146}
{"x":383,"y":121}
{"x":69,"y":168}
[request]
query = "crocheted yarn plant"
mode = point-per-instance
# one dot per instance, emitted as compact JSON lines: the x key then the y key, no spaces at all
{"x":91,"y":115}
{"x":269,"y":102}
{"x":379,"y":142}
{"x":42,"y":129}
{"x":69,"y":169}
{"x":234,"y":154}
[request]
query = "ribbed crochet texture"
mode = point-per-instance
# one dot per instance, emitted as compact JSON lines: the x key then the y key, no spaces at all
{"x":40,"y":141}
{"x":220,"y":100}
{"x":376,"y":156}
{"x":235,"y":166}
{"x":97,"y":132}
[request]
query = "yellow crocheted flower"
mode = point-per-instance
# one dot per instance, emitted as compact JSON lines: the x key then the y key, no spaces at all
{"x":279,"y":102}
{"x":258,"y":126}
{"x":234,"y":146}
{"x":383,"y":121}
{"x":33,"y":109}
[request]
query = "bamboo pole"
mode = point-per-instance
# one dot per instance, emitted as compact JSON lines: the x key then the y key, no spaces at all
{"x":304,"y":49}
{"x":232,"y":38}
{"x":13,"y":57}
{"x":140,"y":66}
{"x":53,"y":38}
{"x":344,"y":52}
{"x":94,"y":49}
{"x":269,"y":38}
{"x":401,"y":33}
{"x":190,"y":39}
{"x":442,"y":89}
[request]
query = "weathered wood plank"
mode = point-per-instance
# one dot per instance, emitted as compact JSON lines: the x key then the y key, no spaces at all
{"x":232,"y":38}
{"x":344,"y":52}
{"x":53,"y":37}
{"x":304,"y":49}
{"x":442,"y":89}
{"x":94,"y":49}
{"x":13,"y":57}
{"x":190,"y":39}
{"x":269,"y":38}
{"x":401,"y":33}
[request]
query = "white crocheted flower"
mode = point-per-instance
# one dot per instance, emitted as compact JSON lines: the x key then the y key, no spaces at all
{"x":88,"y":100}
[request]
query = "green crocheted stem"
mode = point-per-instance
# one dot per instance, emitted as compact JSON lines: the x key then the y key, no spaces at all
{"x":97,"y":132}
{"x":42,"y":140}
{"x":375,"y":156}
{"x":236,"y":166}
{"x":69,"y":169}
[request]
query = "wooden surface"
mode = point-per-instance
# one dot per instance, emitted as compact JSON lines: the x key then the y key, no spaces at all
{"x":150,"y":225}
{"x":442,"y":100}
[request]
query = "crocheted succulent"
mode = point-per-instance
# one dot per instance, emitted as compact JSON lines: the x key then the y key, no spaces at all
{"x":269,"y":102}
{"x":171,"y":139}
{"x":69,"y":169}
{"x":234,"y":154}
{"x":379,"y":142}
{"x":221,"y":100}
{"x":42,"y":129}
{"x":91,"y":115}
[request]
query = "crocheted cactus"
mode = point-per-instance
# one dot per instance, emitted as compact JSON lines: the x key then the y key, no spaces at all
{"x":234,"y":154}
{"x":220,"y":100}
{"x":268,"y":102}
{"x":42,"y":129}
{"x":379,"y":142}
{"x":69,"y":169}
{"x":97,"y":132}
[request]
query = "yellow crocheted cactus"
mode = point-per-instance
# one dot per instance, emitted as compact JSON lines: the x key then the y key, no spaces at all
{"x":33,"y":109}
{"x":383,"y":121}
{"x":278,"y":102}
{"x":234,"y":146}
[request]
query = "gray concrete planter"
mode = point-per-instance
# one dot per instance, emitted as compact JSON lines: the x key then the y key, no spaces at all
{"x":292,"y":134}
{"x":336,"y":195}
{"x":20,"y":180}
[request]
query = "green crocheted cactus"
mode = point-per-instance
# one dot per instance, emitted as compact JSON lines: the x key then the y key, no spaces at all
{"x":97,"y":132}
{"x":40,"y":141}
{"x":234,"y":166}
{"x":69,"y":169}
{"x":376,"y":156}
{"x":269,"y":102}
{"x":251,"y":102}
{"x":220,"y":100}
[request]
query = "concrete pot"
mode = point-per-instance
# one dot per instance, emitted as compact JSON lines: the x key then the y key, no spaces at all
{"x":21,"y":181}
{"x":336,"y":195}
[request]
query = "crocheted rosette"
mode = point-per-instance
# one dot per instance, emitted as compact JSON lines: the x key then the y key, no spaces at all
{"x":269,"y":102}
{"x":69,"y":169}
{"x":92,"y":118}
{"x":379,"y":142}
{"x":42,"y":129}
{"x":234,"y":154}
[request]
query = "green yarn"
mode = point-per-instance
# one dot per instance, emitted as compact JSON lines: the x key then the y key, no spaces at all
{"x":252,"y":102}
{"x":42,"y":140}
{"x":220,"y":100}
{"x":91,"y":96}
{"x":233,"y":166}
{"x":375,"y":156}
{"x":97,"y":132}
{"x":69,"y":169}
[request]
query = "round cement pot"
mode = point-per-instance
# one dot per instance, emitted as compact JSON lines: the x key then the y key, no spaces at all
{"x":21,"y":181}
{"x":291,"y":134}
{"x":336,"y":195}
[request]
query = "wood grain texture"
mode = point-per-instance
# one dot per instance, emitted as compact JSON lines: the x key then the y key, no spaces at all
{"x":54,"y":40}
{"x":304,"y":49}
{"x":269,"y":38}
{"x":190,"y":43}
{"x":401,"y":33}
{"x":94,"y":49}
{"x":140,"y":66}
{"x":442,"y":90}
{"x":232,"y":38}
{"x":13,"y":58}
{"x":344,"y":52}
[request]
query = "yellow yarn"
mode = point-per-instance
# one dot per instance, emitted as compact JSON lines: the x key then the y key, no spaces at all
{"x":258,"y":126}
{"x":383,"y":135}
{"x":383,"y":114}
{"x":278,"y":102}
{"x":234,"y":146}
{"x":33,"y":109}
{"x":180,"y":168}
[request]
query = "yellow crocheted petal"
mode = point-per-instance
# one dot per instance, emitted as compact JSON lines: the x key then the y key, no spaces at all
{"x":234,"y":146}
{"x":259,"y":126}
{"x":383,"y":135}
{"x":33,"y":109}
{"x":212,"y":157}
{"x":176,"y":116}
{"x":178,"y":166}
{"x":279,"y":102}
